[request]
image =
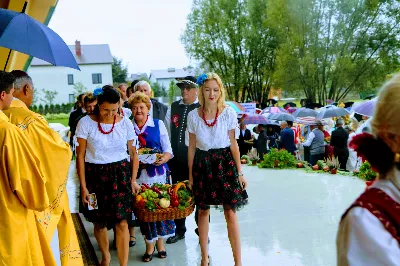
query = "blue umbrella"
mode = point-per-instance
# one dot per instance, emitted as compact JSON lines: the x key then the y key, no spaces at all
{"x":24,"y":34}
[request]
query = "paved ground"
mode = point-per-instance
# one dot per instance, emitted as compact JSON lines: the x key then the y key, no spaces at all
{"x":291,"y":220}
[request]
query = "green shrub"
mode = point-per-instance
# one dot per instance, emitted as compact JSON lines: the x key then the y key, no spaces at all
{"x":56,"y":116}
{"x":366,"y":173}
{"x":278,"y":159}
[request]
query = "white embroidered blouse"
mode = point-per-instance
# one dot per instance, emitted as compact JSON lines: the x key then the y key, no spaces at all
{"x":106,"y":148}
{"x":215,"y":137}
{"x":362,"y":239}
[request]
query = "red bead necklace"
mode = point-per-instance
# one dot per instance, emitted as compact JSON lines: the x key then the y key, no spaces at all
{"x":106,"y":132}
{"x":213,"y":122}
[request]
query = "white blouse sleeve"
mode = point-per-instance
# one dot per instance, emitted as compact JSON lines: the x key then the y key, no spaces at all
{"x":362,"y":240}
{"x":191,"y":122}
{"x":130,"y":134}
{"x":232,"y":119}
{"x":164,"y":138}
{"x":82,"y":129}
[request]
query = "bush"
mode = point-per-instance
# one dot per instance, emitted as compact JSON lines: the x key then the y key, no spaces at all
{"x":56,"y":116}
{"x":64,"y":108}
{"x":278,"y":159}
{"x":366,"y":173}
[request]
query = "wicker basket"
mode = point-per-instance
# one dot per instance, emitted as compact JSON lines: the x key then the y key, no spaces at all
{"x":163,"y":214}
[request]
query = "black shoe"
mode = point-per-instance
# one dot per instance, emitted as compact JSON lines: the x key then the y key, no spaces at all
{"x":197,"y":233}
{"x":132,"y":243}
{"x":174,"y":239}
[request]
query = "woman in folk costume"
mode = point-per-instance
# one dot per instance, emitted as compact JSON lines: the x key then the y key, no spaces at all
{"x":214,"y":162}
{"x":104,"y":170}
{"x":153,"y":134}
{"x":369,"y":232}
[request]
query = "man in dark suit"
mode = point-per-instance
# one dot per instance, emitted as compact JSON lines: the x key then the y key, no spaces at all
{"x":261,"y":143}
{"x":287,"y":138}
{"x":244,"y":135}
{"x":74,"y":116}
{"x":157,"y":109}
{"x":339,"y":142}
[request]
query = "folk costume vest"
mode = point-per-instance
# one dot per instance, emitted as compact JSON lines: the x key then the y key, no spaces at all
{"x":383,"y":207}
{"x":152,"y":137}
{"x":179,"y":113}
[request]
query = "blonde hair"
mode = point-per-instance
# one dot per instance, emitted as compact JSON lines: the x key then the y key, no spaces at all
{"x":221,"y":99}
{"x":139,"y":97}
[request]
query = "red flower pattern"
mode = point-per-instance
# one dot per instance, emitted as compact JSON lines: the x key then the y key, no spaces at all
{"x":175,"y":120}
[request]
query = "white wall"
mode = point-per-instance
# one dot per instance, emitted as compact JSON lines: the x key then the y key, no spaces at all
{"x":56,"y":78}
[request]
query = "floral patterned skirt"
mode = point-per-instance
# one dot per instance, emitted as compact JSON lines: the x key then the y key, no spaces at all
{"x":112,"y":185}
{"x":216,"y":180}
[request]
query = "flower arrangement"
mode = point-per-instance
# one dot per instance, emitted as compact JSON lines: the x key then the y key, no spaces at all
{"x":201,"y":79}
{"x":253,"y":156}
{"x":333,"y":164}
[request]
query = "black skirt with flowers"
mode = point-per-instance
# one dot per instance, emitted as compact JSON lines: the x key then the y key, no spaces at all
{"x":112,"y":185}
{"x":216,"y":180}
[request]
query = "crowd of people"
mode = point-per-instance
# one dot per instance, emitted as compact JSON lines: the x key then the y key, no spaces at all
{"x":106,"y":139}
{"x":200,"y":141}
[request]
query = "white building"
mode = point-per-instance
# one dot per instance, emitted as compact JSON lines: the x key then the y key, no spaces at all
{"x":95,"y":62}
{"x":164,"y":76}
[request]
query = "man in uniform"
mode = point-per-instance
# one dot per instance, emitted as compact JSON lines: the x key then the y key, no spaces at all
{"x":55,"y":157}
{"x":176,"y":122}
{"x":22,"y":190}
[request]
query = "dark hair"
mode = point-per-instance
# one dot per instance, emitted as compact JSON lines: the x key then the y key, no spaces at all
{"x":375,"y":151}
{"x":134,"y":83}
{"x":289,"y":123}
{"x":129,"y":90}
{"x":6,"y":81}
{"x":80,"y":96}
{"x":109,"y":95}
{"x":89,"y":98}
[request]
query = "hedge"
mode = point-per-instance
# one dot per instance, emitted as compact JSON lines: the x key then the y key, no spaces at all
{"x":64,"y":108}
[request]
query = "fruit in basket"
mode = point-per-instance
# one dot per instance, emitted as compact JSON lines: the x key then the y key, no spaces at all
{"x":164,"y":203}
{"x":178,"y":186}
{"x":145,"y":151}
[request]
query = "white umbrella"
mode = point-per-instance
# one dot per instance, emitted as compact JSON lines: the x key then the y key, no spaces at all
{"x":332,"y":112}
{"x":305,"y":112}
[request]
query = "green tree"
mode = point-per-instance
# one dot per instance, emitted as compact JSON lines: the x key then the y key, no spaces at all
{"x":158,"y":90}
{"x":119,"y":71}
{"x":48,"y":98}
{"x":171,"y":91}
{"x":329,"y":48}
{"x":233,"y":39}
{"x":36,"y":96}
{"x":79,"y":88}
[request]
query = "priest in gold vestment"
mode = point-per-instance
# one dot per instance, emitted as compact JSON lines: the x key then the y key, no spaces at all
{"x":22,"y":190}
{"x":55,"y":157}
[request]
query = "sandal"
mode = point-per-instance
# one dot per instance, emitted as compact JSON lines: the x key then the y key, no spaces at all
{"x":208,"y":261}
{"x":148,"y":257}
{"x":132,"y":243}
{"x":162,"y":254}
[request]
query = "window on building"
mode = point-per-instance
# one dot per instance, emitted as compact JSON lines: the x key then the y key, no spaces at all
{"x":96,"y":78}
{"x":71,"y":98}
{"x":70,"y":79}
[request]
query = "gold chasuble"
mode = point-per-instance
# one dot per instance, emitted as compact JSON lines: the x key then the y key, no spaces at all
{"x":22,"y":190}
{"x":55,"y":157}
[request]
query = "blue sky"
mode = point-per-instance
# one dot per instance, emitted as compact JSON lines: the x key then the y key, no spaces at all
{"x":144,"y":33}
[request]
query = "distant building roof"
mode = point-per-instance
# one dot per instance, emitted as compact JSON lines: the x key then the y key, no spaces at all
{"x":139,"y":76}
{"x":171,"y":73}
{"x":90,"y":54}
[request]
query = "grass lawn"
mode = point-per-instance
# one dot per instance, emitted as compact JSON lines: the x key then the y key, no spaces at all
{"x":61,"y":121}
